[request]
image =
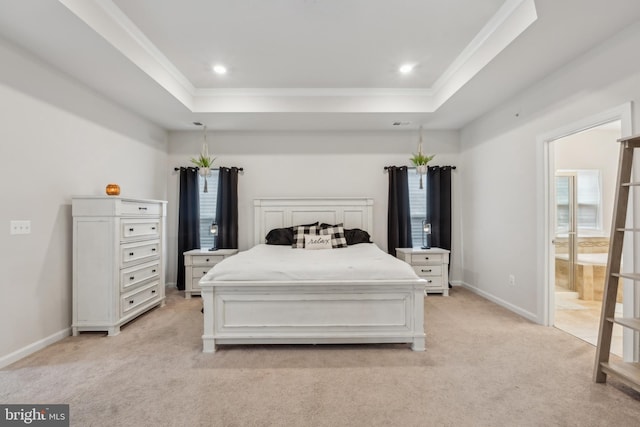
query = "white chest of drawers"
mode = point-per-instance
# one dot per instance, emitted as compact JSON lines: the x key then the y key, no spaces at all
{"x":430,"y":264}
{"x":197,"y":262}
{"x":118,"y":269}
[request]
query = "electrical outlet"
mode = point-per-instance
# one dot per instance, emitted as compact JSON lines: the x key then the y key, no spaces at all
{"x":20,"y":227}
{"x":512,"y":280}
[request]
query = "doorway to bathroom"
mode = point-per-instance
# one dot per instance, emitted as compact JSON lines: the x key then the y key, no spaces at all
{"x":585,"y":172}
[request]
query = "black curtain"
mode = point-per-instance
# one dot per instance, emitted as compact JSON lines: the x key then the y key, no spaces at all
{"x":188,"y":218}
{"x":227,"y":208}
{"x":439,"y":205}
{"x":399,"y":212}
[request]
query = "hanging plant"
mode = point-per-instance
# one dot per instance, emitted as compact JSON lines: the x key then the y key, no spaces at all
{"x":420,"y":160}
{"x":204,"y":162}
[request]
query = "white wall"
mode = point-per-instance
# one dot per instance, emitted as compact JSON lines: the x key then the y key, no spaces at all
{"x":502,"y":171}
{"x":57,"y":139}
{"x":313,"y":164}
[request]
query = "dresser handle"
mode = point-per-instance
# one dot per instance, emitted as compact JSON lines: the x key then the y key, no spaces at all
{"x":142,"y":208}
{"x":131,"y":301}
{"x":429,"y":281}
{"x":153,"y":291}
{"x":131,"y":229}
{"x":153,"y":271}
{"x":426,"y":271}
{"x":207,"y":260}
{"x":131,"y":277}
{"x":130,"y":253}
{"x":153,"y":249}
{"x":426,"y":257}
{"x":153,"y":228}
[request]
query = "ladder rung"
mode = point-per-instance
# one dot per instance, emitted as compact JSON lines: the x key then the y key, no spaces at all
{"x":628,"y":372}
{"x":628,"y":322}
{"x":636,"y":230}
{"x":632,"y":276}
{"x":630,"y":184}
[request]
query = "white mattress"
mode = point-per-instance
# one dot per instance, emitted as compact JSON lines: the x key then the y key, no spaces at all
{"x":282,"y":263}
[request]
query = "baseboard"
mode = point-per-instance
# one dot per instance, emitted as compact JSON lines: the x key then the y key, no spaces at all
{"x":32,"y":348}
{"x":524,"y":313}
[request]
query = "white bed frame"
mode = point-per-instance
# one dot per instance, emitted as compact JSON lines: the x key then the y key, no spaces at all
{"x":312,"y":312}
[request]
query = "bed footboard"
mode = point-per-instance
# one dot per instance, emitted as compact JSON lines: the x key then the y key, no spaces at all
{"x":313,"y":313}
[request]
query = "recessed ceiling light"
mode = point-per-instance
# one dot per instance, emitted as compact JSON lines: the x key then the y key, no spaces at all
{"x":220,"y":69}
{"x":406,"y":68}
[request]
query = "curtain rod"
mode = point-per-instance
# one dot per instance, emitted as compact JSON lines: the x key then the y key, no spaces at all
{"x":177,"y":169}
{"x":452,"y":167}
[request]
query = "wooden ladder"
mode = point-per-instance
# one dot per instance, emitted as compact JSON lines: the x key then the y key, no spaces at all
{"x":626,"y":372}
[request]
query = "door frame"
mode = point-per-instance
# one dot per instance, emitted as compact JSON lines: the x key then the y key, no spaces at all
{"x":546,"y":217}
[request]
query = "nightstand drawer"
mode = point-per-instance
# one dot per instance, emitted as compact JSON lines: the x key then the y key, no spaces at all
{"x":426,"y":259}
{"x":433,"y":282}
{"x":209,"y":260}
{"x":428,"y":270}
{"x":199,"y":272}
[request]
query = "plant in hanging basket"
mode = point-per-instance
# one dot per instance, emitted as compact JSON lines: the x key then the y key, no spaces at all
{"x":203,"y":161}
{"x":419,"y":159}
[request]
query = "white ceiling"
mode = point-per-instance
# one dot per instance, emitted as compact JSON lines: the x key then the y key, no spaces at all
{"x":311,"y":64}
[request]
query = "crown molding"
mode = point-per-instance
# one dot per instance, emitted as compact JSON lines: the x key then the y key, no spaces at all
{"x":106,"y":19}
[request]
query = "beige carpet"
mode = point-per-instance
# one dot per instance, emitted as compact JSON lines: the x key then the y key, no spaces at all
{"x":484,"y":366}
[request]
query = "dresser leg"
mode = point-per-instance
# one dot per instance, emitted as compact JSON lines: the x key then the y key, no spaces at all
{"x":75,"y":332}
{"x":112,"y":332}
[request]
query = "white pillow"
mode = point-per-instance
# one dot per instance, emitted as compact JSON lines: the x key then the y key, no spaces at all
{"x":317,"y":241}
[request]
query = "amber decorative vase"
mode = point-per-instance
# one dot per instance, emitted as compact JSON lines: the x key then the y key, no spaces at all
{"x":113,"y":189}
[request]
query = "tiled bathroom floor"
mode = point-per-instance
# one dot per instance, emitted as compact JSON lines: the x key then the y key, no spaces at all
{"x":582,"y":319}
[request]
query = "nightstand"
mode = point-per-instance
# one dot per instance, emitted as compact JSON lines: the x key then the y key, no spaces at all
{"x":197,"y":262}
{"x":430,"y":264}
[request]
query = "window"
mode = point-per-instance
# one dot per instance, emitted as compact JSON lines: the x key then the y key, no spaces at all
{"x":208,"y":207}
{"x":418,"y":204}
{"x":589,"y":201}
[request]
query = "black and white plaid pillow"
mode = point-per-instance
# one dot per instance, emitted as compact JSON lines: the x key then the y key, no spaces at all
{"x":298,"y":234}
{"x":338,"y":240}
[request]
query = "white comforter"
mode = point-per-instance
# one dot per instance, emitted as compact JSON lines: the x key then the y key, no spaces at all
{"x":282,"y":263}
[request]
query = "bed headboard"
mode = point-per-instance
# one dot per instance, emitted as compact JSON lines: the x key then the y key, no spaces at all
{"x":270,"y":213}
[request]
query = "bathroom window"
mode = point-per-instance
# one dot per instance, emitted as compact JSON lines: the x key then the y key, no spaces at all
{"x":589,"y":201}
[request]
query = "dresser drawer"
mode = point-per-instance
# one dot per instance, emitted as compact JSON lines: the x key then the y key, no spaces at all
{"x":140,"y":208}
{"x":132,"y":229}
{"x":132,"y":277}
{"x":426,"y":259}
{"x":134,"y":253}
{"x":206,"y":260}
{"x":138,"y":298}
{"x":428,"y":270}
